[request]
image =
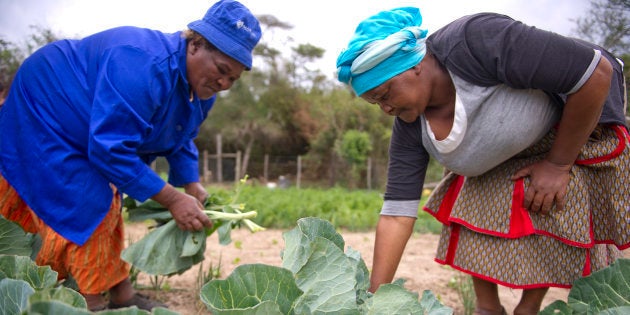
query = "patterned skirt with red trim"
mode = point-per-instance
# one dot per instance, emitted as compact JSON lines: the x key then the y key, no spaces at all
{"x":488,"y":234}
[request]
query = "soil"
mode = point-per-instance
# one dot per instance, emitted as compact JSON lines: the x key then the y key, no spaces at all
{"x":421,"y":272}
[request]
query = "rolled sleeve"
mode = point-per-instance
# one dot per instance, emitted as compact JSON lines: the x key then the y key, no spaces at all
{"x":401,"y":208}
{"x":143,"y":186}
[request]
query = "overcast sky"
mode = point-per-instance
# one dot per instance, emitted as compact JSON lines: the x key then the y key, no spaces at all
{"x":328,"y":24}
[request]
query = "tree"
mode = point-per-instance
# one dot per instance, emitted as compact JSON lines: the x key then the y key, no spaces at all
{"x":303,"y":56}
{"x":266,"y":111}
{"x":354,"y":147}
{"x":607,"y":24}
{"x":11,"y":58}
{"x":12,"y":55}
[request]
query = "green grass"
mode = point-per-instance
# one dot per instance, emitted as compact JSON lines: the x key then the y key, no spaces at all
{"x":354,"y":210}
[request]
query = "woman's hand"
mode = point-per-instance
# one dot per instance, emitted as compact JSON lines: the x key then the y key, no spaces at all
{"x":548,"y":184}
{"x":196,"y":190}
{"x":188,"y":213}
{"x":549,"y":178}
{"x":187,"y":210}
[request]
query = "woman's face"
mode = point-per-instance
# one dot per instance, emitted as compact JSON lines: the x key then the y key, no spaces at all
{"x":400,"y":96}
{"x":210,"y":71}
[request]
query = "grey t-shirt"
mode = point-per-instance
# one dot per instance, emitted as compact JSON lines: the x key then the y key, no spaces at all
{"x":492,"y":124}
{"x":489,"y":50}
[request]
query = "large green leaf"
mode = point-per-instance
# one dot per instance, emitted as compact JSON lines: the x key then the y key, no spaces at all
{"x":362,"y":275}
{"x":317,"y":278}
{"x":299,"y":239}
{"x":133,"y":310}
{"x":58,"y":307}
{"x":432,"y":305}
{"x":55,"y":307}
{"x":328,"y":280}
{"x":252,"y":289}
{"x":143,"y":214}
{"x":13,"y":239}
{"x":195,"y":242}
{"x":621,"y":310}
{"x":160,"y":251}
{"x":14,"y":295}
{"x":61,"y":294}
{"x":394,"y":299}
{"x":23,"y":268}
{"x":168,"y":250}
{"x":332,"y":281}
{"x":163,"y":311}
{"x":606,"y":291}
{"x":557,"y":307}
{"x":606,"y":288}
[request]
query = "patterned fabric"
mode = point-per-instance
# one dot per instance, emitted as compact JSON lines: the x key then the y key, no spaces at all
{"x":96,"y":266}
{"x":489,"y":234}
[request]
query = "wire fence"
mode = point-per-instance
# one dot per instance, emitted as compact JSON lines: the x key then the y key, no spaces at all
{"x":286,"y":171}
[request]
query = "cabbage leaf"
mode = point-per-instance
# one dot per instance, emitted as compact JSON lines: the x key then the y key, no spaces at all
{"x":316,"y":277}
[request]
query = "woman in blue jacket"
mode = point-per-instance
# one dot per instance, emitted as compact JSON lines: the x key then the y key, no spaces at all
{"x":82,"y":121}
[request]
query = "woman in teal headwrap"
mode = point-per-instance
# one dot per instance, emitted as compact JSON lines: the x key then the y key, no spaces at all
{"x":530,"y":126}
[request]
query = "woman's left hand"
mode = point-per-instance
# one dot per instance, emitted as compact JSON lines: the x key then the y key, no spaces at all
{"x":196,"y":190}
{"x":548,"y":184}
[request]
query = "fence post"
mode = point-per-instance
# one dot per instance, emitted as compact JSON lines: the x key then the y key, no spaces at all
{"x":369,"y":173}
{"x":206,"y":169}
{"x":266,"y":168}
{"x":219,"y":159}
{"x":299,"y":172}
{"x":237,"y":167}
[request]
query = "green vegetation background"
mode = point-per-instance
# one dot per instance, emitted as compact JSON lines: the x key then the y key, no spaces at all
{"x":353,"y":210}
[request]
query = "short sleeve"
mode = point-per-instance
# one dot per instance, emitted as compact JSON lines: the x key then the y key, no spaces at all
{"x":490,"y":49}
{"x":408,"y":162}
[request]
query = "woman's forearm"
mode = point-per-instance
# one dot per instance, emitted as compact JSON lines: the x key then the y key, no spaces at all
{"x":392,"y":234}
{"x":580,"y":115}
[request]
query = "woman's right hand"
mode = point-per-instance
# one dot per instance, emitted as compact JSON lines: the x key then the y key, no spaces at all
{"x":187,"y":211}
{"x":548,"y":185}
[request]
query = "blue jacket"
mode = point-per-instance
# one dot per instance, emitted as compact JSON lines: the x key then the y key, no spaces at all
{"x":82,"y":114}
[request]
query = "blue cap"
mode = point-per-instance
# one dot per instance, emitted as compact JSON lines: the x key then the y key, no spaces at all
{"x":232,"y":28}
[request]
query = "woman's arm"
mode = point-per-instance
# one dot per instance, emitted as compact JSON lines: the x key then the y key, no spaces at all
{"x":392,"y":234}
{"x":408,"y":162}
{"x":490,"y":49}
{"x":550,"y":177}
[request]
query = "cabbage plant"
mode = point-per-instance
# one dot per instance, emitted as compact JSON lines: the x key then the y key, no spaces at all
{"x":168,"y":250}
{"x":316,"y":277}
{"x":606,"y":291}
{"x":26,"y":288}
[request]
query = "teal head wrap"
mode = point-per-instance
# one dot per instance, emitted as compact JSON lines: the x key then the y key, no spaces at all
{"x":383,"y":46}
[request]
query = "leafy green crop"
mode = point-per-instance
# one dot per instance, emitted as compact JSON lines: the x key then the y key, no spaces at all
{"x":352,"y":210}
{"x":14,"y":240}
{"x":316,"y":277}
{"x":26,"y":288}
{"x":168,"y":250}
{"x":606,"y":291}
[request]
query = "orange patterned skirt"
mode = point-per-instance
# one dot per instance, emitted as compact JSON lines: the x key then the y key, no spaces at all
{"x":96,"y":266}
{"x":488,"y":234}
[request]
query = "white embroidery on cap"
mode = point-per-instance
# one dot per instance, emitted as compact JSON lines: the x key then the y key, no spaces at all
{"x":241,"y":25}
